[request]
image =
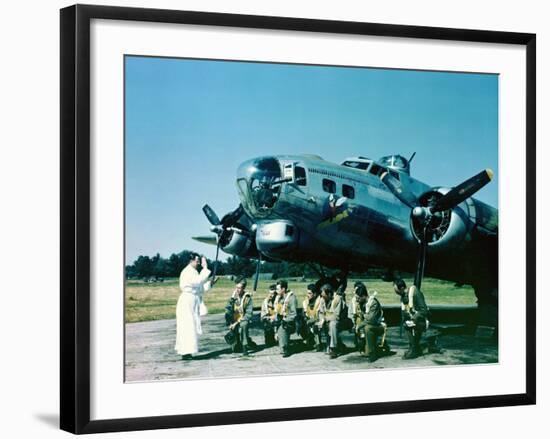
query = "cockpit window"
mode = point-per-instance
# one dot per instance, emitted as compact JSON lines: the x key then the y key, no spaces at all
{"x":300,"y":176}
{"x":356,"y":165}
{"x":375,"y":169}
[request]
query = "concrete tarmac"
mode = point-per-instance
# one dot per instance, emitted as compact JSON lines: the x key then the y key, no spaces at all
{"x":150,"y":354}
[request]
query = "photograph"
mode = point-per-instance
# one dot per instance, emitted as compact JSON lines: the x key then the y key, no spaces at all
{"x":287,"y":218}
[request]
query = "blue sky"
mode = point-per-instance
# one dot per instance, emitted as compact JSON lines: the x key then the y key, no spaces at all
{"x":190,"y":123}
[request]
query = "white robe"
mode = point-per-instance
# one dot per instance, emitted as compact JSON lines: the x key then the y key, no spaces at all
{"x":188,"y":321}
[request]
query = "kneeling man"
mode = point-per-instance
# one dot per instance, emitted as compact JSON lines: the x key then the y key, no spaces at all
{"x":238,"y":316}
{"x":286,"y":316}
{"x":372,"y":326}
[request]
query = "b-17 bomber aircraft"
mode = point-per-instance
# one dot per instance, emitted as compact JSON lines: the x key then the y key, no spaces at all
{"x":359,"y":214}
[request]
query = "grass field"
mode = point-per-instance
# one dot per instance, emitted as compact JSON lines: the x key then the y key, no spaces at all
{"x":157,"y":301}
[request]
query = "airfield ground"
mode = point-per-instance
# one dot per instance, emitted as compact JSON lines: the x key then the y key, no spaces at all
{"x":151,"y":333}
{"x":150,"y":354}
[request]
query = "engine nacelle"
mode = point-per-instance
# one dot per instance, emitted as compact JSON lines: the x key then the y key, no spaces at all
{"x":449,"y":228}
{"x":237,"y":243}
{"x":276,"y":238}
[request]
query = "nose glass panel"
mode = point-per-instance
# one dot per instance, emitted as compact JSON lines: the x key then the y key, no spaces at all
{"x":263,"y":181}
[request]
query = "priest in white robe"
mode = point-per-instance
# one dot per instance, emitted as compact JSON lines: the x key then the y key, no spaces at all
{"x":192,"y":285}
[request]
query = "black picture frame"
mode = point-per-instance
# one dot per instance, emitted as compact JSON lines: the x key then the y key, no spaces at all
{"x":75,"y":217}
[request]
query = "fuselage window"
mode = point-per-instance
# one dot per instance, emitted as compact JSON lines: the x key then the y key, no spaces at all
{"x":300,"y":176}
{"x":329,"y":186}
{"x":348,"y":191}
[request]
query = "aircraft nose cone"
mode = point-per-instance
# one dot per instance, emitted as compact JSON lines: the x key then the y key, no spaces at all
{"x":261,"y":168}
{"x":259,"y":181}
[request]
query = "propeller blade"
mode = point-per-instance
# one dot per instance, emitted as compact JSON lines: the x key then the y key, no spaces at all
{"x":257,"y":272}
{"x":212,"y":240}
{"x":211,"y":215}
{"x":216,"y":263}
{"x":421,"y":258}
{"x":396,"y":188}
{"x":231,"y":218}
{"x":463,"y":191}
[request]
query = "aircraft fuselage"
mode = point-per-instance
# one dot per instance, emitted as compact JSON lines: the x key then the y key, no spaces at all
{"x":307,"y":209}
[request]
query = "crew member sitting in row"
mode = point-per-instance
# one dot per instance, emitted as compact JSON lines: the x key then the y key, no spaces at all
{"x":370,"y":324}
{"x":238,"y":314}
{"x":285,"y":317}
{"x":311,"y":331}
{"x":331,"y":318}
{"x":357,"y":315}
{"x":267,"y":316}
{"x":415,"y":312}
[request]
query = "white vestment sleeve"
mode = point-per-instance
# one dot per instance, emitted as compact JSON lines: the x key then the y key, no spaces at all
{"x":204,"y":275}
{"x":190,"y":278}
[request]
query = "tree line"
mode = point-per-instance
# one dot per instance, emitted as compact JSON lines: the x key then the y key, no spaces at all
{"x":157,"y":267}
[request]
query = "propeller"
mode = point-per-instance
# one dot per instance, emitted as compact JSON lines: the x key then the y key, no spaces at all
{"x":220,"y":227}
{"x":425,"y":215}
